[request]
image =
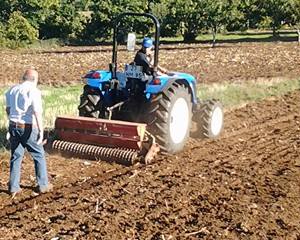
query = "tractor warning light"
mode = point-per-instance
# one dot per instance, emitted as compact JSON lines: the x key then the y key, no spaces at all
{"x":156,"y":81}
{"x":93,"y":75}
{"x":96,"y":75}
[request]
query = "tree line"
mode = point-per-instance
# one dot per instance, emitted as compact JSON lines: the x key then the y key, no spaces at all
{"x":90,"y":21}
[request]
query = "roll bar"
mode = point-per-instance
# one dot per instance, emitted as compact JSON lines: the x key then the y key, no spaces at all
{"x":113,"y":65}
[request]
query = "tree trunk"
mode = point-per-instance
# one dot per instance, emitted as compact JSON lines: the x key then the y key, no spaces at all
{"x":189,"y":37}
{"x":298,"y":32}
{"x":214,"y":32}
{"x":274,"y":31}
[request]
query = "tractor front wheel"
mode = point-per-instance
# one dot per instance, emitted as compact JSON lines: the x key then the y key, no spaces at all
{"x":209,"y":120}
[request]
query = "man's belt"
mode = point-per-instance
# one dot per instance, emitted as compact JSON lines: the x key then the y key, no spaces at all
{"x":20,"y":125}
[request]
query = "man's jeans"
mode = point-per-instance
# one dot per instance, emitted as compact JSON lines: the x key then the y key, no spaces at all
{"x":21,"y":138}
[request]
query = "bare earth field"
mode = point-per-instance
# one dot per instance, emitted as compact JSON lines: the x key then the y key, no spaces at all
{"x":245,"y":185}
{"x":226,"y":62}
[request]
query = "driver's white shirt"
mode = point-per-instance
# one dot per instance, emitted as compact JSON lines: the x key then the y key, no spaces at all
{"x":23,"y":100}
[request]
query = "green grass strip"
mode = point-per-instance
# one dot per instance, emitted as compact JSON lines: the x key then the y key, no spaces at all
{"x":237,"y":94}
{"x":56,"y":101}
{"x":240,"y":36}
{"x":64,"y":100}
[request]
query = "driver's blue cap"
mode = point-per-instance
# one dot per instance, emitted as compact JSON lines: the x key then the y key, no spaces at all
{"x":147,"y":42}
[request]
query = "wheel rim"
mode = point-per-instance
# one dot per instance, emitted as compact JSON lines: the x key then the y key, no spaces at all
{"x":216,"y":121}
{"x":179,"y":120}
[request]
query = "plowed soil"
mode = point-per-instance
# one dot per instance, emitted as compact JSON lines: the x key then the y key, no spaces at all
{"x":244,"y":185}
{"x":226,"y":62}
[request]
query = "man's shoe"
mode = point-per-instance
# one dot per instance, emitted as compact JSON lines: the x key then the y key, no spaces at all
{"x":14,"y":194}
{"x":47,"y":189}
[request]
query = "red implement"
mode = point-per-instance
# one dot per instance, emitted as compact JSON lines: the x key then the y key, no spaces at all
{"x":104,"y":139}
{"x":101,"y":132}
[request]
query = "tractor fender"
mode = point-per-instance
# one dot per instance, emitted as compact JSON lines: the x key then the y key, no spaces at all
{"x":155,"y":89}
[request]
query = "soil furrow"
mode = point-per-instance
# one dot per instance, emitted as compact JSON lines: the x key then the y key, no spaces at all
{"x":244,"y":185}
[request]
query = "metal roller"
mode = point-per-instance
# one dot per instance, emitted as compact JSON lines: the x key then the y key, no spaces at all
{"x":106,"y":153}
{"x":123,"y":142}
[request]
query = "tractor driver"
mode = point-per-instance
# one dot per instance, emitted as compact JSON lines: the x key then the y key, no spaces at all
{"x":145,"y":59}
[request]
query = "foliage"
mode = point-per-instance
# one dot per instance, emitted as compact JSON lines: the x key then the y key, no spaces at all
{"x":3,"y":40}
{"x":190,"y":16}
{"x":103,"y":14}
{"x":219,"y":13}
{"x":93,"y":20}
{"x":251,"y":13}
{"x":275,"y":13}
{"x":19,"y":30}
{"x":5,"y":10}
{"x":294,"y":13}
{"x":161,"y":10}
{"x":186,"y":18}
{"x":66,"y":22}
{"x":33,"y":10}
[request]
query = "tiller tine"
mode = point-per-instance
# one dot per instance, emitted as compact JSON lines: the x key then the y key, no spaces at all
{"x":110,"y":140}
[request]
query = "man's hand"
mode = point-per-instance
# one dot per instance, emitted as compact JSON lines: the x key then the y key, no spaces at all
{"x":7,"y":109}
{"x":7,"y":136}
{"x":40,"y":138}
{"x":38,"y":117}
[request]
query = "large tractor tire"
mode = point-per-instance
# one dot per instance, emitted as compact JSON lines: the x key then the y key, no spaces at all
{"x":169,"y":117}
{"x":209,"y":120}
{"x":90,"y":104}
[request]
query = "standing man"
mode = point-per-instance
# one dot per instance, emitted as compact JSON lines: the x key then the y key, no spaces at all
{"x":24,"y":110}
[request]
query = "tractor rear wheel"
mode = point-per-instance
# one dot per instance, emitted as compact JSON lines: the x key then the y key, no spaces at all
{"x":90,"y":103}
{"x":209,"y":119}
{"x":169,"y":117}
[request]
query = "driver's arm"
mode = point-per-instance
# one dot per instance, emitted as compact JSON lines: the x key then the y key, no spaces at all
{"x":159,"y":68}
{"x":163,"y":70}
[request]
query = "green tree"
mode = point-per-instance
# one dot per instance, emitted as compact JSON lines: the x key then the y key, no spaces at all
{"x":19,"y":30}
{"x":100,"y":24}
{"x":294,"y":15}
{"x":83,"y":5}
{"x":274,"y":13}
{"x":103,"y":14}
{"x":219,"y":13}
{"x":250,"y":11}
{"x":5,"y":10}
{"x":185,"y":18}
{"x":34,"y":11}
{"x":65,"y":22}
{"x":161,"y":10}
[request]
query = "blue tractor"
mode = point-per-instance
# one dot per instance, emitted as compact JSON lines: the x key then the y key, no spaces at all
{"x":166,"y":103}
